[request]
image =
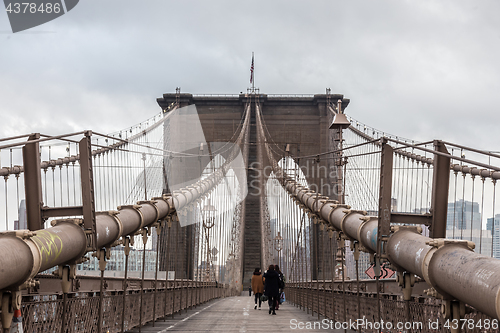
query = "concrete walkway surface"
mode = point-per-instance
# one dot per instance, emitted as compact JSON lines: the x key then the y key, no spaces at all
{"x":237,"y":314}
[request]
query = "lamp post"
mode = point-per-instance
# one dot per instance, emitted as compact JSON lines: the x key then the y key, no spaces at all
{"x":208,"y":218}
{"x":340,"y":123}
{"x":231,"y":264}
{"x":213,"y":258}
{"x":278,"y":245}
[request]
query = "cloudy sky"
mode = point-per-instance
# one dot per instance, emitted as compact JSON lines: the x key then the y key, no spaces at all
{"x":418,"y":69}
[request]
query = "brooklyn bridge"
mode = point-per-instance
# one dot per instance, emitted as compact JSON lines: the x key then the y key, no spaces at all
{"x":159,"y":227}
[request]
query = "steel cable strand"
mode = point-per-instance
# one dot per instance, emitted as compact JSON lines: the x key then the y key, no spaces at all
{"x":360,"y":180}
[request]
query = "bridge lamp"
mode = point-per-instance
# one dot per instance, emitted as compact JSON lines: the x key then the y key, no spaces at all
{"x":208,"y":215}
{"x":278,"y":245}
{"x":208,"y":218}
{"x":340,"y":123}
{"x":278,"y":242}
{"x":340,"y":120}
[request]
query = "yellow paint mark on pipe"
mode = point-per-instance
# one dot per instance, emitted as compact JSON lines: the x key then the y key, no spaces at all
{"x":50,"y":245}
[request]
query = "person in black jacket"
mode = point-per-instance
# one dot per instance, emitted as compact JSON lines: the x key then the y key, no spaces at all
{"x":271,"y":287}
{"x":281,"y":286}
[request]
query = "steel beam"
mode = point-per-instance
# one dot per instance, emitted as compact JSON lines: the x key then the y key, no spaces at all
{"x":440,"y":186}
{"x":33,"y":183}
{"x":87,"y":178}
{"x":61,"y":211}
{"x":406,"y":218}
{"x":385,"y":193}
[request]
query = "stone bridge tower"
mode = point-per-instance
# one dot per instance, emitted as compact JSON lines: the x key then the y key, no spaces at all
{"x":299,"y":121}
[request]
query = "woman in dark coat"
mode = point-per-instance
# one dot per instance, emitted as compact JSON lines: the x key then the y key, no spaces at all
{"x":271,"y":287}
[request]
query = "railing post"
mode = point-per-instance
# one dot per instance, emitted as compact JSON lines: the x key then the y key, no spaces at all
{"x":101,"y":255}
{"x":159,"y":227}
{"x":33,"y":183}
{"x":66,"y":274}
{"x":10,"y":302}
{"x":440,"y":186}
{"x":356,"y":259}
{"x":145,"y":232}
{"x":341,"y":242}
{"x":126,"y":250}
{"x":174,"y":293}
{"x":332,"y":264}
{"x":167,"y":261}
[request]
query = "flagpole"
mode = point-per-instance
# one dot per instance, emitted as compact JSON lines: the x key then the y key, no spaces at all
{"x":253,"y":77}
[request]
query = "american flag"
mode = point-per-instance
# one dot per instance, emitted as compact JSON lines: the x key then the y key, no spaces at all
{"x":251,"y":70}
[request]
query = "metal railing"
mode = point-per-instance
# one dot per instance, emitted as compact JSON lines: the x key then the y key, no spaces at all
{"x":78,"y":312}
{"x":346,"y":308}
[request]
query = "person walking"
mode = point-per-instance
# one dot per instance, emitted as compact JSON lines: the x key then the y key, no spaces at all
{"x":271,"y":287}
{"x":281,"y":284}
{"x":257,"y":286}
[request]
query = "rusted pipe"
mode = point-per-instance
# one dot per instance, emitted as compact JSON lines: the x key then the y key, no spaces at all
{"x":108,"y":228}
{"x":407,"y":249}
{"x":16,"y":261}
{"x":131,"y":219}
{"x":470,"y":277}
{"x":451,"y":267}
{"x":367,"y":233}
{"x":60,"y":244}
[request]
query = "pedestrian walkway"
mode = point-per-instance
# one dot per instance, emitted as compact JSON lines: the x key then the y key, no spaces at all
{"x":237,"y":314}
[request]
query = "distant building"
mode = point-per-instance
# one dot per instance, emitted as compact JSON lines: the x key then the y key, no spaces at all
{"x":489,"y":226}
{"x":154,"y":239}
{"x":394,"y":208}
{"x":496,"y":235}
{"x":350,"y":263}
{"x":117,"y":261}
{"x":463,"y":215}
{"x":481,"y":238}
{"x":22,"y":223}
{"x":424,"y":210}
{"x":394,"y":205}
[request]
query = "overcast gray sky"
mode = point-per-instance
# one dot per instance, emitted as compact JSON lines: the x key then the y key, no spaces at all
{"x":418,"y":69}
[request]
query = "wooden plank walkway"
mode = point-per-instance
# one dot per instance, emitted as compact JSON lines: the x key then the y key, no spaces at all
{"x":236,"y":314}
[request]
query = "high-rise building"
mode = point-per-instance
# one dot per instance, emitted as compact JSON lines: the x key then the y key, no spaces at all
{"x":496,"y":235}
{"x":489,"y":225}
{"x":116,"y":262}
{"x":481,"y":238}
{"x":363,"y":264}
{"x":394,"y":205}
{"x":22,"y":223}
{"x":463,"y":214}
